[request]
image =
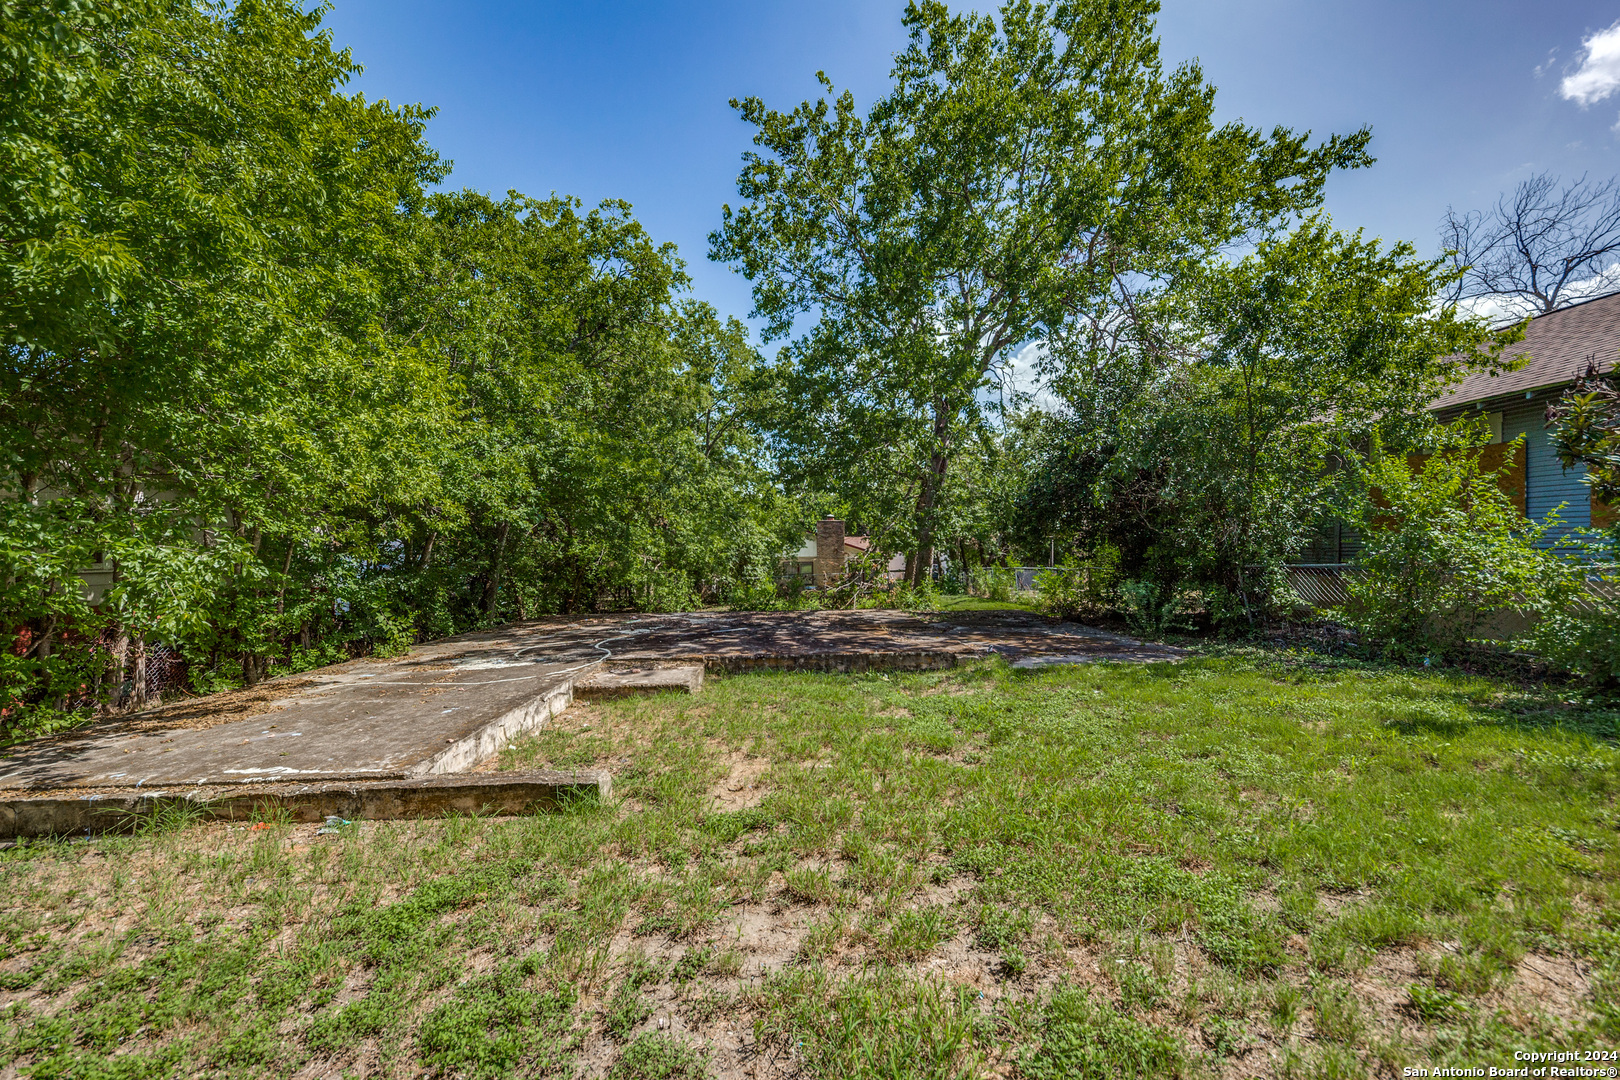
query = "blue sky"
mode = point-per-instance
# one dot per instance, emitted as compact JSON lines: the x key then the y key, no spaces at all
{"x":629,"y":100}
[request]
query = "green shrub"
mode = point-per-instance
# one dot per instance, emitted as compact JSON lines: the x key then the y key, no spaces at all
{"x":1152,"y":609}
{"x":1061,"y":592}
{"x":1079,"y":587}
{"x":922,"y":596}
{"x":1584,"y":638}
{"x":1000,"y":583}
{"x":1446,"y":548}
{"x":763,"y":596}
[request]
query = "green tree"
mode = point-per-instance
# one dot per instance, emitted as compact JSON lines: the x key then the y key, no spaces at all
{"x":1024,"y":177}
{"x":189,"y":230}
{"x":1265,"y":370}
{"x":606,"y":444}
{"x":1588,"y":432}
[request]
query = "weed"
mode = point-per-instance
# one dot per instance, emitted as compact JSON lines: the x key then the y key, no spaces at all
{"x":1082,"y":1039}
{"x":1226,"y":1037}
{"x":1435,"y":1005}
{"x":911,"y":935}
{"x":877,"y":1026}
{"x":693,"y":962}
{"x":626,"y":1009}
{"x":1297,"y":908}
{"x":1327,"y":1063}
{"x":1139,"y":986}
{"x":998,"y":927}
{"x":1286,"y":999}
{"x":165,"y":816}
{"x":494,"y":1024}
{"x":730,"y":825}
{"x":812,"y":886}
{"x":725,"y":963}
{"x":1469,"y":972}
{"x":657,"y":1057}
{"x":1242,"y":940}
{"x":1338,"y":1013}
{"x":824,"y":937}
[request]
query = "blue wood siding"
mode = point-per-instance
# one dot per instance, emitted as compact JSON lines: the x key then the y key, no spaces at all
{"x":1547,"y":484}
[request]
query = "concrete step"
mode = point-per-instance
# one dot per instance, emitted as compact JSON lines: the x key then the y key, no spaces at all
{"x":69,"y":813}
{"x":640,"y":680}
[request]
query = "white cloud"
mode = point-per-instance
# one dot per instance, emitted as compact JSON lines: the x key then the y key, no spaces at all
{"x":1026,"y":378}
{"x":1598,"y":75}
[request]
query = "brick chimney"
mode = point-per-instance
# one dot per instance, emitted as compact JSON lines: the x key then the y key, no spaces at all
{"x":829,"y":550}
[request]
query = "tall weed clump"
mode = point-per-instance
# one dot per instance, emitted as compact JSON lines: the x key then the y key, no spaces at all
{"x":1079,"y":587}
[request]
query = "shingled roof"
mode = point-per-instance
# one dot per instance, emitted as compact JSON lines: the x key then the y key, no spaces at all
{"x":1558,"y":343}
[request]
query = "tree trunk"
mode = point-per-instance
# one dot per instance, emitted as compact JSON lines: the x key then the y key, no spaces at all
{"x":493,"y":584}
{"x":137,"y":692}
{"x":927,"y":499}
{"x":117,"y":660}
{"x":254,"y":668}
{"x":281,"y":593}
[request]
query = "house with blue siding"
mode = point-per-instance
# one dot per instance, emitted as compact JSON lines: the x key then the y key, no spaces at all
{"x":1558,"y":347}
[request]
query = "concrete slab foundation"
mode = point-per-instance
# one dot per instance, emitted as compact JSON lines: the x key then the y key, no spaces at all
{"x":439,"y":709}
{"x":446,"y":706}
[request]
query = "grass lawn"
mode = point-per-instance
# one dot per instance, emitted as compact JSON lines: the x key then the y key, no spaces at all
{"x":962,"y":602}
{"x":1240,"y":865}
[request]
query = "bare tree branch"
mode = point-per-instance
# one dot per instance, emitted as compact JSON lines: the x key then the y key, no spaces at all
{"x":1543,"y":247}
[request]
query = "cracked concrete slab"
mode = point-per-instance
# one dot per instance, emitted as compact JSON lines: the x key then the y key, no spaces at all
{"x":440,"y":708}
{"x":445,"y":706}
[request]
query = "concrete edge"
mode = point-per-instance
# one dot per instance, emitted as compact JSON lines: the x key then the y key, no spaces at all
{"x":600,"y":684}
{"x":840,"y":663}
{"x":435,"y":796}
{"x":497,"y":735}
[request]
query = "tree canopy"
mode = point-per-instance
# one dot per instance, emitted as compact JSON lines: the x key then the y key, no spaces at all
{"x":286,"y":401}
{"x":1031,"y":176}
{"x":273,"y":394}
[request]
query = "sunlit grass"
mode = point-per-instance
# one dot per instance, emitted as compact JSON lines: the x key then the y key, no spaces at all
{"x":1248,"y":863}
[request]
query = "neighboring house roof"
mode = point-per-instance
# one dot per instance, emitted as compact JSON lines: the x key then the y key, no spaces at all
{"x":860,"y":543}
{"x":1559,"y":344}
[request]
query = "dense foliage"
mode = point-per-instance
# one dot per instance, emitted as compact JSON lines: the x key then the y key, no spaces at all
{"x":271,"y":395}
{"x":283,"y":403}
{"x":1447,"y":552}
{"x":1032,"y":177}
{"x":1206,"y":453}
